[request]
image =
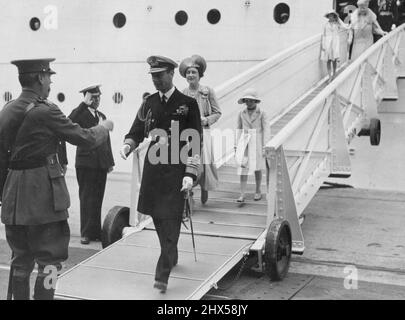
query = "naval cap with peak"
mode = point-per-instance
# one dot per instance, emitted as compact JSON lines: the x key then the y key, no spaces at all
{"x":34,"y":65}
{"x":93,"y":89}
{"x":160,"y":63}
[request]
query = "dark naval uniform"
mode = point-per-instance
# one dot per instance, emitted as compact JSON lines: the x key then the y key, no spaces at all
{"x":35,"y":196}
{"x":387,"y":14}
{"x":91,"y":170}
{"x":160,"y":195}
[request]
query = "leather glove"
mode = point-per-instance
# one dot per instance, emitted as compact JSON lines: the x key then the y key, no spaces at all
{"x":187,"y":184}
{"x":125,"y":151}
{"x":108,"y":124}
{"x":87,"y":98}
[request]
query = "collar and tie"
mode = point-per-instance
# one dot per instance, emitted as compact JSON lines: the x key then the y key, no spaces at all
{"x":95,"y":114}
{"x":164,"y":100}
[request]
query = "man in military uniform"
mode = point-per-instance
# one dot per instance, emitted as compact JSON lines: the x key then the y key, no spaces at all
{"x":35,"y":196}
{"x":92,"y":166}
{"x":387,"y":14}
{"x":160,"y":116}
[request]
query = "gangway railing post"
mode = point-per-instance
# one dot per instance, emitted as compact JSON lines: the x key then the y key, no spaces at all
{"x":340,"y":158}
{"x":390,"y":74}
{"x":280,"y":198}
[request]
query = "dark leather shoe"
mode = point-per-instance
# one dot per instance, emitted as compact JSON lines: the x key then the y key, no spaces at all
{"x":85,"y":240}
{"x":160,"y":286}
{"x":204,"y":196}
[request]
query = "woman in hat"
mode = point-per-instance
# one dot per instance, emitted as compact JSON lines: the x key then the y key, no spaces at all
{"x":193,"y":69}
{"x":253,"y":127}
{"x":330,"y":44}
{"x":363,"y":25}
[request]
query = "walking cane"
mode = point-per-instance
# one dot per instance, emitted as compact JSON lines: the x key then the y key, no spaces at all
{"x":10,"y":279}
{"x":188,"y":211}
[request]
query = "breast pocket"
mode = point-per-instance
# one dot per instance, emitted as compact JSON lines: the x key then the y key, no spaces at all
{"x":61,"y":199}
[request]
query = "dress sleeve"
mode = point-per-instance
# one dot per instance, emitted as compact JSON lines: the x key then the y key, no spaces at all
{"x":215,"y":109}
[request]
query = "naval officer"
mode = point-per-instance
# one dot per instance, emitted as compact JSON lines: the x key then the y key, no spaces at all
{"x":35,"y":196}
{"x":160,"y":194}
{"x":92,"y":166}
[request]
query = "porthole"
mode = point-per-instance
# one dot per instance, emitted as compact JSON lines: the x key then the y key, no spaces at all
{"x":61,"y":97}
{"x":181,"y":18}
{"x":118,"y":97}
{"x":281,"y":13}
{"x":7,"y":96}
{"x":213,"y":16}
{"x":119,"y":20}
{"x":35,"y":24}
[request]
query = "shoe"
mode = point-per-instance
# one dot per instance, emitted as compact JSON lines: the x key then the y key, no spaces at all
{"x":241,"y":199}
{"x":257,"y":196}
{"x":85,"y":240}
{"x":204,"y":196}
{"x":160,"y":286}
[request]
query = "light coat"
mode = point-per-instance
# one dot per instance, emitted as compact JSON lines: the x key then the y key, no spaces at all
{"x":258,"y":125}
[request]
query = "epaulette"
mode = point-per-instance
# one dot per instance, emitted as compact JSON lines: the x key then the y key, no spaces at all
{"x":46,"y":102}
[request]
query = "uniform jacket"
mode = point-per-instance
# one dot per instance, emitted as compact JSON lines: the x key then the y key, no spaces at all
{"x":99,"y":157}
{"x":160,"y":195}
{"x":38,"y":195}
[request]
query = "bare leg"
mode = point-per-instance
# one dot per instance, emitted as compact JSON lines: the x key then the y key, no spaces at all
{"x":243,"y":184}
{"x":258,"y":177}
{"x":334,"y":65}
{"x":329,"y":67}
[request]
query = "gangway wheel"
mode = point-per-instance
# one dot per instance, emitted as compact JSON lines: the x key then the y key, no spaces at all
{"x":114,"y":223}
{"x":375,"y":131}
{"x":278,"y":248}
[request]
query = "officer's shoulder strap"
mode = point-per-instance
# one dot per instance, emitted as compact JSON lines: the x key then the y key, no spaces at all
{"x":29,"y":107}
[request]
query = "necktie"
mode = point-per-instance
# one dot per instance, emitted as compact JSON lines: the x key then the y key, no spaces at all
{"x":96,"y":116}
{"x":164,"y":100}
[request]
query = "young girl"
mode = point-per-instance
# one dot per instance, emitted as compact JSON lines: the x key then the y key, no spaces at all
{"x":330,"y":43}
{"x":253,"y":132}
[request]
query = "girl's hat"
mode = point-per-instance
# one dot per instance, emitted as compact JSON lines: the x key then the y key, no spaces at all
{"x":363,"y":2}
{"x":249,"y":94}
{"x":195,"y":61}
{"x":332,"y":12}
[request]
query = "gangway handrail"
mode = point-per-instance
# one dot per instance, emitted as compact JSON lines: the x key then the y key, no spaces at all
{"x":281,"y":137}
{"x":239,"y":80}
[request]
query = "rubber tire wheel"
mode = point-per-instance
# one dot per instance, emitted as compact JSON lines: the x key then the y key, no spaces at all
{"x":115,"y":221}
{"x":375,"y":132}
{"x":278,"y":248}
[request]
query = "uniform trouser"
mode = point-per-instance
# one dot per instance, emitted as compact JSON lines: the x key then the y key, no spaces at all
{"x":168,"y":231}
{"x":45,"y":244}
{"x":91,"y":193}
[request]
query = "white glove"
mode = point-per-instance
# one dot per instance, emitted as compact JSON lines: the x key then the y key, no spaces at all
{"x":108,"y":124}
{"x":87,"y":98}
{"x":393,"y":27}
{"x":124,"y":151}
{"x":187,"y":184}
{"x":204,"y":121}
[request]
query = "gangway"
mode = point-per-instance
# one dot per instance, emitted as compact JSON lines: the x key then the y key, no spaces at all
{"x":311,"y":129}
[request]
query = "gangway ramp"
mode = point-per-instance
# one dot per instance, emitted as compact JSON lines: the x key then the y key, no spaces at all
{"x":224,"y":232}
